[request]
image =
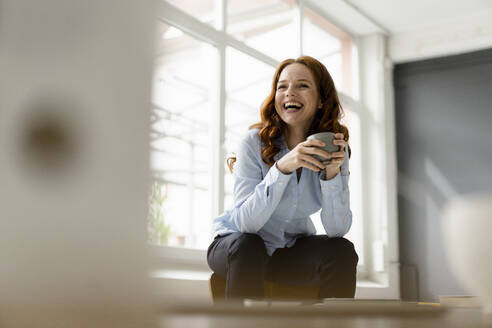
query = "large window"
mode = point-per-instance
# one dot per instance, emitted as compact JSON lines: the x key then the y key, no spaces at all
{"x":209,"y":83}
{"x":267,"y":25}
{"x":184,"y":94}
{"x":248,"y":82}
{"x":203,"y":10}
{"x":331,"y":46}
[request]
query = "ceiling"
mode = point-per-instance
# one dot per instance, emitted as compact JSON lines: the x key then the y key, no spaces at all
{"x":392,"y":17}
{"x":416,"y":29}
{"x":397,"y":16}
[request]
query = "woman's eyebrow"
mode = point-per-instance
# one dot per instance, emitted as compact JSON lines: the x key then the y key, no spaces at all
{"x":300,"y":80}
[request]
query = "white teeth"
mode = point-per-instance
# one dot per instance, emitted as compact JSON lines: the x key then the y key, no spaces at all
{"x":293,"y":104}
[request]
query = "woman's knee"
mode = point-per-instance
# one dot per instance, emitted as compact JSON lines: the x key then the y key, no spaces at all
{"x":248,"y":244}
{"x":342,"y":249}
{"x":346,"y":250}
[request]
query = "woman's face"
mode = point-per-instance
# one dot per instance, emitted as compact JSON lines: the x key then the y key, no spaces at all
{"x":297,"y":97}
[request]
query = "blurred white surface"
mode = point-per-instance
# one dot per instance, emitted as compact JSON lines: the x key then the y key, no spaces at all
{"x":74,"y":158}
{"x":467,"y":224}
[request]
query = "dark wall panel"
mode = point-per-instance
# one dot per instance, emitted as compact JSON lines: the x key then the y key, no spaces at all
{"x":444,"y":149}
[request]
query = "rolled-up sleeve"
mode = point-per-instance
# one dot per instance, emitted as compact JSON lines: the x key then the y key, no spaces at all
{"x":255,"y":197}
{"x":336,"y":215}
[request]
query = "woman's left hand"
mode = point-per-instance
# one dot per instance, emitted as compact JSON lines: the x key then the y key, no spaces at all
{"x":336,"y":159}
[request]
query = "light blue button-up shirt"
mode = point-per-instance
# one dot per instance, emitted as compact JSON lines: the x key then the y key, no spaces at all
{"x":277,"y":207}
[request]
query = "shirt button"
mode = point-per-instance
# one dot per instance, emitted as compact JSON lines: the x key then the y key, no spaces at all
{"x":295,"y":205}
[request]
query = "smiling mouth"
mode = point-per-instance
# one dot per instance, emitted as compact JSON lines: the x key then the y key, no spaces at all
{"x":292,"y":107}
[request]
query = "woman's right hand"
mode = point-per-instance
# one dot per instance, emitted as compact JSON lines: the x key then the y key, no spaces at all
{"x":300,"y":156}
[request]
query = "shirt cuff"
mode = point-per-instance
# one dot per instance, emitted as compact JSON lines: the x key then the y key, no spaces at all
{"x":333,"y":185}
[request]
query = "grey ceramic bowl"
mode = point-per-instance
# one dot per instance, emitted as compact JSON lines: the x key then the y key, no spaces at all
{"x":327,"y":138}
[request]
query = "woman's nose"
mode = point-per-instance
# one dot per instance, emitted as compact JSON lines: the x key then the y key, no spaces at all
{"x":290,"y":91}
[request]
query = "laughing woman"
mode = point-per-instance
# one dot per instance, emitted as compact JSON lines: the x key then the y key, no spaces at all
{"x":278,"y":184}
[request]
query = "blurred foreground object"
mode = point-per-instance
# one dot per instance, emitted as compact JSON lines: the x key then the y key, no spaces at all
{"x":74,"y":161}
{"x":467,"y":223}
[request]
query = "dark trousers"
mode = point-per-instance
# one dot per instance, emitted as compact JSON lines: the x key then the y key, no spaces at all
{"x":241,"y":259}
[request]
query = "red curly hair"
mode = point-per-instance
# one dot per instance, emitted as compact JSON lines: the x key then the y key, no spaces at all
{"x":327,"y":118}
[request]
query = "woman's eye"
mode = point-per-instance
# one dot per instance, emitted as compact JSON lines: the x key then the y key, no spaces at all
{"x":304,"y":86}
{"x":281,"y":87}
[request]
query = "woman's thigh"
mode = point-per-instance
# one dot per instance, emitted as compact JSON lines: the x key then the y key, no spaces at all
{"x":302,"y":263}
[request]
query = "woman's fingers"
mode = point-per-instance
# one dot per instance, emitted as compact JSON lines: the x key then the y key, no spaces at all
{"x":310,"y":166}
{"x":337,"y":158}
{"x":312,"y":142}
{"x":337,"y":161}
{"x":322,"y":153}
{"x":338,"y":154}
{"x":308,"y":148}
{"x":312,"y":163}
{"x":340,"y":143}
{"x":316,"y":151}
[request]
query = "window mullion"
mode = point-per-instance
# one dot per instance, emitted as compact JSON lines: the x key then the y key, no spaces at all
{"x":300,"y":22}
{"x":218,"y":137}
{"x":221,"y":14}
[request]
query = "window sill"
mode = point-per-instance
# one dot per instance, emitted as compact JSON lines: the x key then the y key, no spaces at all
{"x":366,"y":289}
{"x":205,"y":276}
{"x":181,"y":275}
